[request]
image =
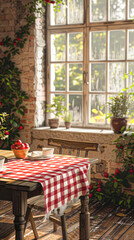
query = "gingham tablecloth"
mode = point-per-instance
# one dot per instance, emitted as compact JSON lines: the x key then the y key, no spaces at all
{"x":63,"y":178}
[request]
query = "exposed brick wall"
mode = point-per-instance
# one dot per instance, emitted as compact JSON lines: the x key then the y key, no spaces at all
{"x":12,"y":13}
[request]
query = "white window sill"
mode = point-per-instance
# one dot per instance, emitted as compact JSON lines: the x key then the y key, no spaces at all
{"x":77,"y":130}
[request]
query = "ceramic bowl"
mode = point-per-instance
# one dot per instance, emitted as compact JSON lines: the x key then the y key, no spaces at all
{"x":48,"y":152}
{"x":20,"y":153}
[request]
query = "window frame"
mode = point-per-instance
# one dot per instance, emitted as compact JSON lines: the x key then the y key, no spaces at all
{"x":86,"y":28}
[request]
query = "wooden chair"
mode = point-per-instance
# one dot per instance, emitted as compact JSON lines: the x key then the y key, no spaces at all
{"x":74,"y":148}
{"x":71,"y":148}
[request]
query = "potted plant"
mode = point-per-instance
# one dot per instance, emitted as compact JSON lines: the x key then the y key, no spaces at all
{"x":118,"y":108}
{"x":57,"y":108}
{"x":68,"y":119}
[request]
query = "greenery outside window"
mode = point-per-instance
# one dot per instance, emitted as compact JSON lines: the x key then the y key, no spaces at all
{"x":90,"y":46}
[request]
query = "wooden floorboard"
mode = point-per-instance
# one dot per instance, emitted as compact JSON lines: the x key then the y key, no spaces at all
{"x":106,"y":223}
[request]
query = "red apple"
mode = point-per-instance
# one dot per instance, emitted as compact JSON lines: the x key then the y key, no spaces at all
{"x":18,"y":141}
{"x":26,"y":145}
{"x":22,"y":146}
{"x":16,"y":147}
{"x":12,"y":146}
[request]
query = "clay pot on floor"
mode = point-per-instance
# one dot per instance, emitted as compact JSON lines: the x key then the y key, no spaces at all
{"x":118,"y":125}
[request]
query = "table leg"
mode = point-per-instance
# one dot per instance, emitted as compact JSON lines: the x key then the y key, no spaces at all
{"x":84,"y":218}
{"x":19,"y":210}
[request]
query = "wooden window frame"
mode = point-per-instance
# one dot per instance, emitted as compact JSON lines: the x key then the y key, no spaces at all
{"x":86,"y":28}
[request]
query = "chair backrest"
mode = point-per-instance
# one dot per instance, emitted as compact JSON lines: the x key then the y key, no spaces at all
{"x":73,"y":145}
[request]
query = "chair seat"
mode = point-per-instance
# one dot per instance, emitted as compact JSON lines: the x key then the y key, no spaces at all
{"x":39,"y":204}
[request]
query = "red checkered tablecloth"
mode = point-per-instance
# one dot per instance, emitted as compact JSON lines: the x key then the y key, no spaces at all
{"x":62,"y":178}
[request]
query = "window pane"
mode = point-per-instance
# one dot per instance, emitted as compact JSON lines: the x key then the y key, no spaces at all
{"x":75,"y":77}
{"x":75,"y":46}
{"x":75,"y":102}
{"x":116,"y":73}
{"x":58,"y":47}
{"x":96,"y":114}
{"x":75,"y":14}
{"x":117,"y":44}
{"x":131,"y":114}
{"x":131,"y":44}
{"x":97,"y":10}
{"x":131,"y":9}
{"x":98,"y":76}
{"x":98,"y":45}
{"x":117,"y":10}
{"x":57,"y":77}
{"x":130,"y":79}
{"x":58,"y":17}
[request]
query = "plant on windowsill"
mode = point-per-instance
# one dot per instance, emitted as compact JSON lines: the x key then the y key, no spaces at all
{"x":57,"y":108}
{"x":118,"y":108}
{"x":68,"y":119}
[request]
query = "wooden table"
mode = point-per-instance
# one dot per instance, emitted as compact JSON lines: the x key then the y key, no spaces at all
{"x":18,"y":191}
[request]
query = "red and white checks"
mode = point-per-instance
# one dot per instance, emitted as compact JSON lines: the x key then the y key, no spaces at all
{"x":63,"y":178}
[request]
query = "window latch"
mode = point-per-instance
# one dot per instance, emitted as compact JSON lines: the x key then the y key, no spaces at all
{"x":85,"y":77}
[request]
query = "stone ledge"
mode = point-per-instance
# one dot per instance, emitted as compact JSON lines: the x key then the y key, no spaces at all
{"x":105,"y":138}
{"x":91,"y":135}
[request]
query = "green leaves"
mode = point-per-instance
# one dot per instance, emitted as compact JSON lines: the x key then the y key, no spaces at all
{"x":11,"y":95}
{"x":57,"y":107}
{"x":131,"y":178}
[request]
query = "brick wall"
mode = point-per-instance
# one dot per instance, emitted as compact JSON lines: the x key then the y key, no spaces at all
{"x":12,"y":13}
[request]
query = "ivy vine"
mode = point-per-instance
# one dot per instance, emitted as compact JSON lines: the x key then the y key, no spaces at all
{"x":117,"y":188}
{"x":11,"y":95}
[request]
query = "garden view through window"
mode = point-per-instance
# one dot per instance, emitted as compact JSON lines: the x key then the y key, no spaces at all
{"x":91,"y":47}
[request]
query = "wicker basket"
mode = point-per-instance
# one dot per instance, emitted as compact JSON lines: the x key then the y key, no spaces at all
{"x":20,"y":153}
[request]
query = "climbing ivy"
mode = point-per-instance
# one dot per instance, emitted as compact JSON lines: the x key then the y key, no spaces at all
{"x":117,"y":188}
{"x":11,"y":95}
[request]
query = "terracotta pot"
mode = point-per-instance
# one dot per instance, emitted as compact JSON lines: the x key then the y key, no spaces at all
{"x":67,"y":125}
{"x":118,"y":123}
{"x":53,"y":122}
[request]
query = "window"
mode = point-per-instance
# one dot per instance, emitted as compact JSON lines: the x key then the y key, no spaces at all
{"x":90,"y":47}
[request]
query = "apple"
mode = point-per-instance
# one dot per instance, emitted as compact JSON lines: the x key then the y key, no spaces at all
{"x":19,"y":145}
{"x":22,"y":146}
{"x":18,"y":142}
{"x":26,"y":145}
{"x":16,"y":148}
{"x":12,"y":146}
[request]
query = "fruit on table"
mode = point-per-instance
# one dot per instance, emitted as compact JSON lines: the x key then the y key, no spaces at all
{"x":19,"y":145}
{"x":20,"y":149}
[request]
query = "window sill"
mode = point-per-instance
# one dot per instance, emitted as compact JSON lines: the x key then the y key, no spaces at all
{"x":41,"y":135}
{"x":73,"y":129}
